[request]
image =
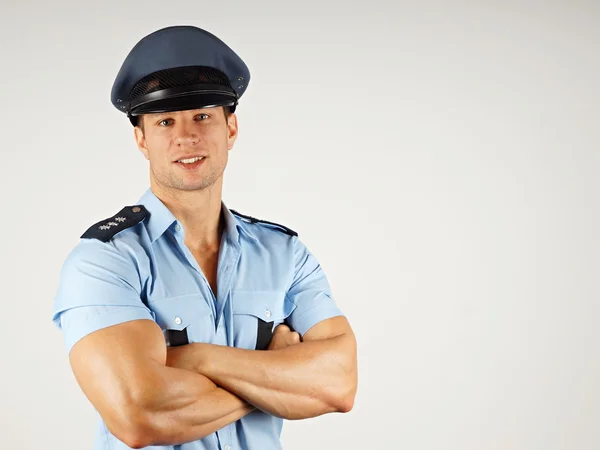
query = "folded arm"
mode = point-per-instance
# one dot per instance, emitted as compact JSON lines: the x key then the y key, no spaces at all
{"x":314,"y":377}
{"x":121,"y":369}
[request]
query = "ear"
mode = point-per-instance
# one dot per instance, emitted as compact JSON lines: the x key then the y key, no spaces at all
{"x":232,"y":130}
{"x":140,"y":140}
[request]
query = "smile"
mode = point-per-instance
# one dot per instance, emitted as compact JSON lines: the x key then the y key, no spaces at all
{"x":191,"y":160}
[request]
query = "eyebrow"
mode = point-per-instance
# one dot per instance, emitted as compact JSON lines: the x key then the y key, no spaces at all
{"x":153,"y":116}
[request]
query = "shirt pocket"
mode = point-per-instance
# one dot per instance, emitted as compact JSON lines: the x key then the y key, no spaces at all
{"x":255,"y":316}
{"x":184,"y":319}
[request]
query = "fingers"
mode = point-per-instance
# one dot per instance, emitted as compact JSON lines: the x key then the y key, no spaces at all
{"x":295,"y":337}
{"x":282,"y":328}
{"x":283,"y":336}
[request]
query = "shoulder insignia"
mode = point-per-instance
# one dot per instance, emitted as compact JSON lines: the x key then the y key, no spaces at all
{"x":255,"y":220}
{"x":106,"y":229}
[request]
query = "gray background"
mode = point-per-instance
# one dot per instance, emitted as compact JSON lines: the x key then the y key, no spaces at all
{"x":440,"y":159}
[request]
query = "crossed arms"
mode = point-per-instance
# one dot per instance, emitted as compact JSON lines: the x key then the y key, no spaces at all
{"x":148,"y":394}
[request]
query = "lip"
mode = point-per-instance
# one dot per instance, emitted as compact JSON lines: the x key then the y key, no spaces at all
{"x":189,"y":157}
{"x":192,"y":166}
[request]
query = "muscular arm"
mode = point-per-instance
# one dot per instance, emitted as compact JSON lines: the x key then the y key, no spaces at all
{"x":314,"y":377}
{"x":121,"y":369}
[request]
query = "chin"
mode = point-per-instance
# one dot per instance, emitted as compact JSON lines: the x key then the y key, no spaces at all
{"x":190,"y":183}
{"x":195,"y":186}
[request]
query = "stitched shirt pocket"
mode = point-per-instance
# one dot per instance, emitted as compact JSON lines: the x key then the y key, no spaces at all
{"x":256,"y":314}
{"x":184,"y":319}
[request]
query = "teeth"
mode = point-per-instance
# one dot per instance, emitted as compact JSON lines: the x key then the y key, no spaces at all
{"x":191,"y":160}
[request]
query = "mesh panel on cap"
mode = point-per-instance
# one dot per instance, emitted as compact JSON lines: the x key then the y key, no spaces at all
{"x":179,"y":76}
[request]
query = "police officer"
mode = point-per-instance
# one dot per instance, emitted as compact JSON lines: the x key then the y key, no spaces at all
{"x":186,"y":322}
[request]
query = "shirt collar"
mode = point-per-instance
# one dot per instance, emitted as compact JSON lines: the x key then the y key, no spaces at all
{"x":161,"y":218}
{"x":234,"y":225}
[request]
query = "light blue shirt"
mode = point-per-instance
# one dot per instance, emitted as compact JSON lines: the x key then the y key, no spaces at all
{"x":147,"y":272}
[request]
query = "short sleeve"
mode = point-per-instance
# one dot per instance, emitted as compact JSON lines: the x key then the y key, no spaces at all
{"x":100,"y":285}
{"x":309,"y":291}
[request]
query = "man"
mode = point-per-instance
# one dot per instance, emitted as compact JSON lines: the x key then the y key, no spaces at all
{"x":186,"y":322}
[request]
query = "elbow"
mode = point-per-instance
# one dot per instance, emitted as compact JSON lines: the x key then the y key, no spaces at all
{"x":345,"y":391}
{"x":345,"y":404}
{"x":342,"y":400}
{"x":139,"y":435}
{"x":132,"y":426}
{"x":139,"y":431}
{"x":334,"y":402}
{"x":133,"y":440}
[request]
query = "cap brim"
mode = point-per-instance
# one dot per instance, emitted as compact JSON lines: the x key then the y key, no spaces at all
{"x":183,"y":102}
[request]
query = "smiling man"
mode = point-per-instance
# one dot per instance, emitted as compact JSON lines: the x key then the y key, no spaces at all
{"x":186,"y":322}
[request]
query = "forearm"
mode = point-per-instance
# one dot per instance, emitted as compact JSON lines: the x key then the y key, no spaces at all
{"x":178,"y":406}
{"x":303,"y":380}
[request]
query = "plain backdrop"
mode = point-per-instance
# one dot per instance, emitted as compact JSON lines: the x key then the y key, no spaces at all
{"x":440,"y":159}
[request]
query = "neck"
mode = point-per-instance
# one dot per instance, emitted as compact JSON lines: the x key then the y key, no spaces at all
{"x":199,"y":212}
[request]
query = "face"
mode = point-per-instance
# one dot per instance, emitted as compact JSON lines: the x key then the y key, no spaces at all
{"x":187,"y":150}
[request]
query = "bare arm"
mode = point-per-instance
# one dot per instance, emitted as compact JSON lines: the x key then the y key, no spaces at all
{"x":314,"y":377}
{"x":121,"y":369}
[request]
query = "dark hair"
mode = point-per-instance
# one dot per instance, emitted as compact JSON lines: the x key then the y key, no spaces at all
{"x":140,"y":119}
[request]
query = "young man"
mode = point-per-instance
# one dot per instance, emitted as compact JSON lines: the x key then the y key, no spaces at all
{"x":186,"y":322}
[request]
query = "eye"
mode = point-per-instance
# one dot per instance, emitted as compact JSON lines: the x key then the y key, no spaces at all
{"x":163,"y":124}
{"x":202,"y":116}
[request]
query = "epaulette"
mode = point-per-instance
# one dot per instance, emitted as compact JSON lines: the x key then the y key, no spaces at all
{"x":106,"y":229}
{"x":255,"y":220}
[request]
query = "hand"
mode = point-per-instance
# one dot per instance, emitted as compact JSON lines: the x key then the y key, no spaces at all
{"x":283,"y":337}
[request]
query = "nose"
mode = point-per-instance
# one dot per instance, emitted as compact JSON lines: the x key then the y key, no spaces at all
{"x":186,"y":134}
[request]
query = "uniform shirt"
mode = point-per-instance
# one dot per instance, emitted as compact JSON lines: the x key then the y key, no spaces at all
{"x":265,"y":277}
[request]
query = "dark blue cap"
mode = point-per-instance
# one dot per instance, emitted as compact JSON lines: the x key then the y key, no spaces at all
{"x":178,"y":68}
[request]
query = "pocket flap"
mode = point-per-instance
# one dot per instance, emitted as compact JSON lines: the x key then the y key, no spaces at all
{"x":269,"y":306}
{"x":176,"y":313}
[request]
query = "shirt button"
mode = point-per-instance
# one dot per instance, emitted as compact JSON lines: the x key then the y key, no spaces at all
{"x":178,"y":320}
{"x":268,"y":313}
{"x":177,"y":227}
{"x":226,"y":447}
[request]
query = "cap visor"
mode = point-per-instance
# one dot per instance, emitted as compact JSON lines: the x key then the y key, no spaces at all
{"x":183,"y":102}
